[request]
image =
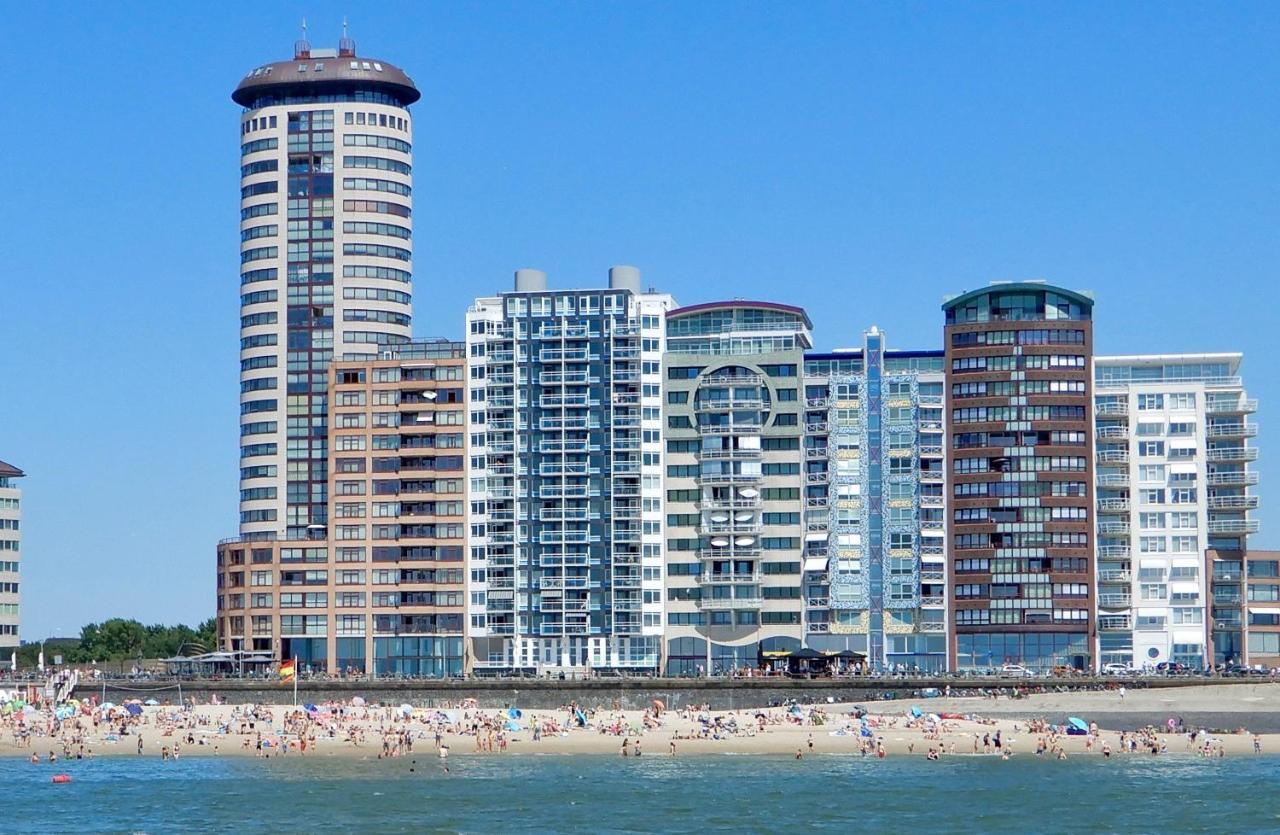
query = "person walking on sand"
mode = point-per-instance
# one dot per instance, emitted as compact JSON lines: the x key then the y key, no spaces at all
{"x":139,"y":745}
{"x":673,"y":747}
{"x":1122,"y":691}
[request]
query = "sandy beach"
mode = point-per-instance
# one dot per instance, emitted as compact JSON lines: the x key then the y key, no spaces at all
{"x":948,"y":726}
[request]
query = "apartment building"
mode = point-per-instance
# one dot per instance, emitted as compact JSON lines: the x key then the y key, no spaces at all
{"x":876,"y":528}
{"x":10,"y":547}
{"x":326,"y":199}
{"x":1261,"y":624}
{"x":385,"y":593}
{"x":1020,"y":477}
{"x":1172,"y":487}
{"x":734,"y":484}
{"x":565,"y":523}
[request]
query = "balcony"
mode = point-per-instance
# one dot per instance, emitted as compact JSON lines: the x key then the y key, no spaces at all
{"x":1233,"y":526}
{"x":729,"y":504}
{"x":1113,"y":505}
{"x":751,"y":428}
{"x":1111,"y":408}
{"x":817,"y":501}
{"x":816,"y":402}
{"x":740,"y":578}
{"x":1113,"y":456}
{"x":731,"y":603}
{"x":816,"y":452}
{"x":1114,"y":623}
{"x":1241,"y":453}
{"x":749,"y":527}
{"x":933,"y":626}
{"x":1231,"y":430}
{"x":1113,"y":552}
{"x":818,"y":427}
{"x":1115,"y":575}
{"x":1233,"y":502}
{"x":722,"y":454}
{"x":1230,"y":406}
{"x":1113,"y":528}
{"x":1227,"y":599}
{"x":1233,"y":478}
{"x":729,"y":478}
{"x":1115,"y":601}
{"x":1113,"y":479}
{"x":727,"y":380}
{"x":1112,"y":433}
{"x":729,"y":404}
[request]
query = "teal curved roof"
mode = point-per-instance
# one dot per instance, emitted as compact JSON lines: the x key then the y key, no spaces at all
{"x":1019,"y":287}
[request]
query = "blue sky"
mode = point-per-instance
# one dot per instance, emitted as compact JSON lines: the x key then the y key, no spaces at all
{"x":861,"y":160}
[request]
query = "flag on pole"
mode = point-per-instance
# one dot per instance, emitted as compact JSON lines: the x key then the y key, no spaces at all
{"x":288,"y":672}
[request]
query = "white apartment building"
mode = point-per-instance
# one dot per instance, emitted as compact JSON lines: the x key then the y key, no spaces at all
{"x":565,"y":527}
{"x":1172,"y":486}
{"x":10,"y":544}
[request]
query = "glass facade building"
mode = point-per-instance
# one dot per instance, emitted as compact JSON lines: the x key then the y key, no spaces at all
{"x":1020,"y":556}
{"x":875,"y":577}
{"x":565,"y":494}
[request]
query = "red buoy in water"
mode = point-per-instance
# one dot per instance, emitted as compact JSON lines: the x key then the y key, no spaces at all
{"x":62,"y":778}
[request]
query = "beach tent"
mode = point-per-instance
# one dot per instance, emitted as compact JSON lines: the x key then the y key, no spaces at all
{"x":513,"y":713}
{"x":513,"y":726}
{"x":580,"y":717}
{"x":1076,"y":726}
{"x":916,"y":712}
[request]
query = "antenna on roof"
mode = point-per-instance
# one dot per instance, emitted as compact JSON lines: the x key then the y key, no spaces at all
{"x":346,"y":46}
{"x":302,"y":48}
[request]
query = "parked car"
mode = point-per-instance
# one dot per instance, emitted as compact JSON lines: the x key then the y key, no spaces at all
{"x":1172,"y":668}
{"x":1118,"y":670}
{"x":1015,"y":671}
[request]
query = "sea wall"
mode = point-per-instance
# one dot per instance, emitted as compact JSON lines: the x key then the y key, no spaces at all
{"x":542,"y":694}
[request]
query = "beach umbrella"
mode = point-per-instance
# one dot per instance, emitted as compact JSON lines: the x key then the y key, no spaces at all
{"x":64,"y":712}
{"x":513,"y":713}
{"x":28,"y":709}
{"x":357,"y":701}
{"x":152,"y":702}
{"x":133,"y":710}
{"x":406,"y":709}
{"x":1077,"y":722}
{"x":659,"y":705}
{"x":309,"y":708}
{"x":916,"y":712}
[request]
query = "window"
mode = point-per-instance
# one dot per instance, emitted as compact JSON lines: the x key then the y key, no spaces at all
{"x":1150,"y":402}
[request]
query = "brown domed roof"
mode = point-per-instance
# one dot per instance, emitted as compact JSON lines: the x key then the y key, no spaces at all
{"x":318,"y":74}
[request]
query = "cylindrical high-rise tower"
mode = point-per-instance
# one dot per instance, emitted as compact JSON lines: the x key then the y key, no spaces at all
{"x":325,"y":262}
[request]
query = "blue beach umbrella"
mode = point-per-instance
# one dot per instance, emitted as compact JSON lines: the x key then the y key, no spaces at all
{"x":512,"y":713}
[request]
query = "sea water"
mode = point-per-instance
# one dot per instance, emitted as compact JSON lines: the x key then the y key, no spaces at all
{"x":547,"y":793}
